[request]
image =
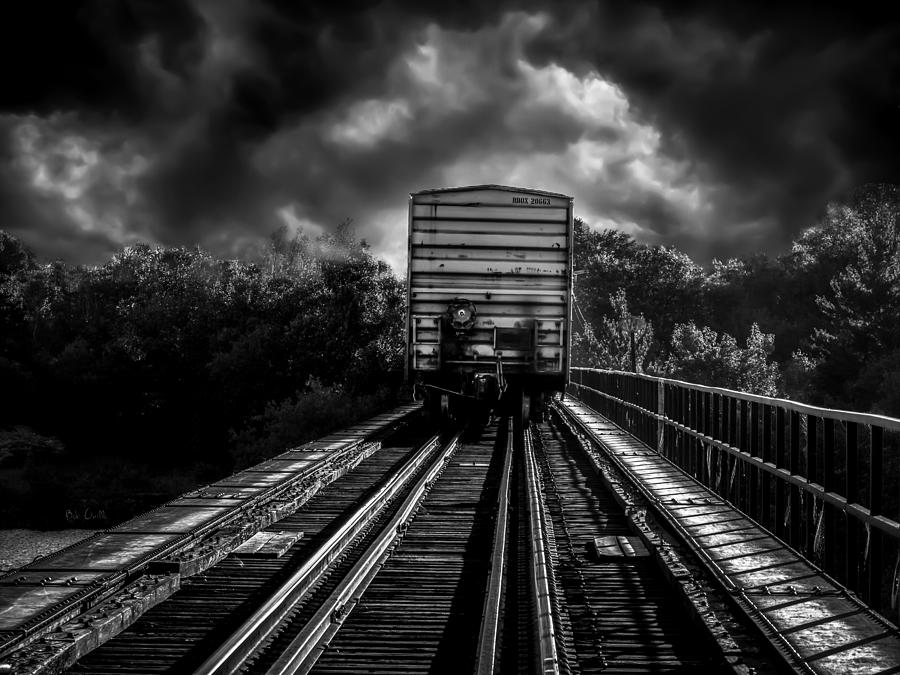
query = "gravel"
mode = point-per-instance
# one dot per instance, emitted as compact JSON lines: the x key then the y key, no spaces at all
{"x":20,"y":547}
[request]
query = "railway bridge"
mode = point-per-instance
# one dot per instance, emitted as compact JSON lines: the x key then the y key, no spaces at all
{"x":644,"y":525}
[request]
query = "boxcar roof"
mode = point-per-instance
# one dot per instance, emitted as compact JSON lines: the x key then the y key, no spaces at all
{"x":472,"y":188}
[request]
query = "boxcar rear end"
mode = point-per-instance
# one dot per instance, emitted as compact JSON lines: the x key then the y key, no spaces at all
{"x":490,"y":293}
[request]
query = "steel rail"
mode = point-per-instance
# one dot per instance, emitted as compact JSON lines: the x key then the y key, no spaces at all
{"x":247,"y":638}
{"x":548,"y":657}
{"x":299,"y":656}
{"x":490,"y":616}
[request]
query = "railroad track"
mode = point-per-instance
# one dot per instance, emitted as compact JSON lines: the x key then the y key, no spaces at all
{"x":420,"y":612}
{"x":766,"y":606}
{"x":419,"y":587}
{"x":621,"y":614}
{"x":179,"y":634}
{"x":491,"y":550}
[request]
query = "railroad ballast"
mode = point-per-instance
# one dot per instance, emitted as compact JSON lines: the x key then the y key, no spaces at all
{"x":489,"y":296}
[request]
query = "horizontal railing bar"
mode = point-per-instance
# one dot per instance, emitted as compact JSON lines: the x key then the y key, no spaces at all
{"x":883,"y":421}
{"x":886,"y":525}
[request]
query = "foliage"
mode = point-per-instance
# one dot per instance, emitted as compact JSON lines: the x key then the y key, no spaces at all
{"x":859,"y":345}
{"x":15,"y":257}
{"x":833,"y":302}
{"x":622,"y":341}
{"x":20,"y":445}
{"x":300,"y":418}
{"x":742,"y":291}
{"x":797,"y":377}
{"x":660,"y":282}
{"x":162,"y":355}
{"x":704,"y":356}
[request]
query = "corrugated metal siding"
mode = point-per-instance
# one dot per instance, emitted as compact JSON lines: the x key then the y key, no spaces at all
{"x":507,"y":251}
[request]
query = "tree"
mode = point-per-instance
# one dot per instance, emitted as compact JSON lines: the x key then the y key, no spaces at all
{"x":660,"y":282}
{"x":756,"y":289}
{"x":171,"y":360}
{"x":703,"y":356}
{"x":17,"y":263}
{"x":622,"y":341}
{"x":859,"y":344}
{"x":14,"y":256}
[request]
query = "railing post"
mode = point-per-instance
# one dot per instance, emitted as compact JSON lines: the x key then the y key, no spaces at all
{"x":780,"y":463}
{"x":876,"y":506}
{"x":830,"y":479}
{"x":765,"y":478}
{"x":661,"y":411}
{"x":684,"y":445}
{"x":648,"y":394}
{"x":691,"y":422}
{"x":812,"y":442}
{"x":706,"y":450}
{"x":701,"y":446}
{"x":743,"y":469}
{"x":794,"y":468}
{"x":851,"y":462}
{"x":733,"y":462}
{"x":754,"y":452}
{"x":716,"y":433}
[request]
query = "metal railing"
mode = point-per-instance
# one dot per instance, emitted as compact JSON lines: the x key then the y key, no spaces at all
{"x":826,"y":482}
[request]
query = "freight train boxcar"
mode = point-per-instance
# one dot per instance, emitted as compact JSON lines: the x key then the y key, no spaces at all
{"x":489,"y":296}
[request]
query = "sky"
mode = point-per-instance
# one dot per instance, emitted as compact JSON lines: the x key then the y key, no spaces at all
{"x":721,"y":128}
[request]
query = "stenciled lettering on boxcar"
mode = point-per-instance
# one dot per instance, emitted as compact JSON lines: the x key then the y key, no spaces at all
{"x":533,"y":201}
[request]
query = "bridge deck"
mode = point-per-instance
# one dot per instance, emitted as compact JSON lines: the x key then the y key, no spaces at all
{"x":53,"y":589}
{"x":821,"y":626}
{"x":816,"y":622}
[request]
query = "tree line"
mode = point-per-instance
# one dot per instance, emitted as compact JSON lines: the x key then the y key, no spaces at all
{"x":167,"y":366}
{"x":820,"y":323}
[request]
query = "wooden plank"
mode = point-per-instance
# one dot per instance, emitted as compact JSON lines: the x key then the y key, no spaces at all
{"x":267,"y":544}
{"x":618,"y":546}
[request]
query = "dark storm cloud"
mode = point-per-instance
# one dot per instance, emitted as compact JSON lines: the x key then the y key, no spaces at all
{"x":201,"y":182}
{"x":716,"y":127}
{"x":82,"y":54}
{"x":785,"y":106}
{"x":455,"y":106}
{"x":41,"y":215}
